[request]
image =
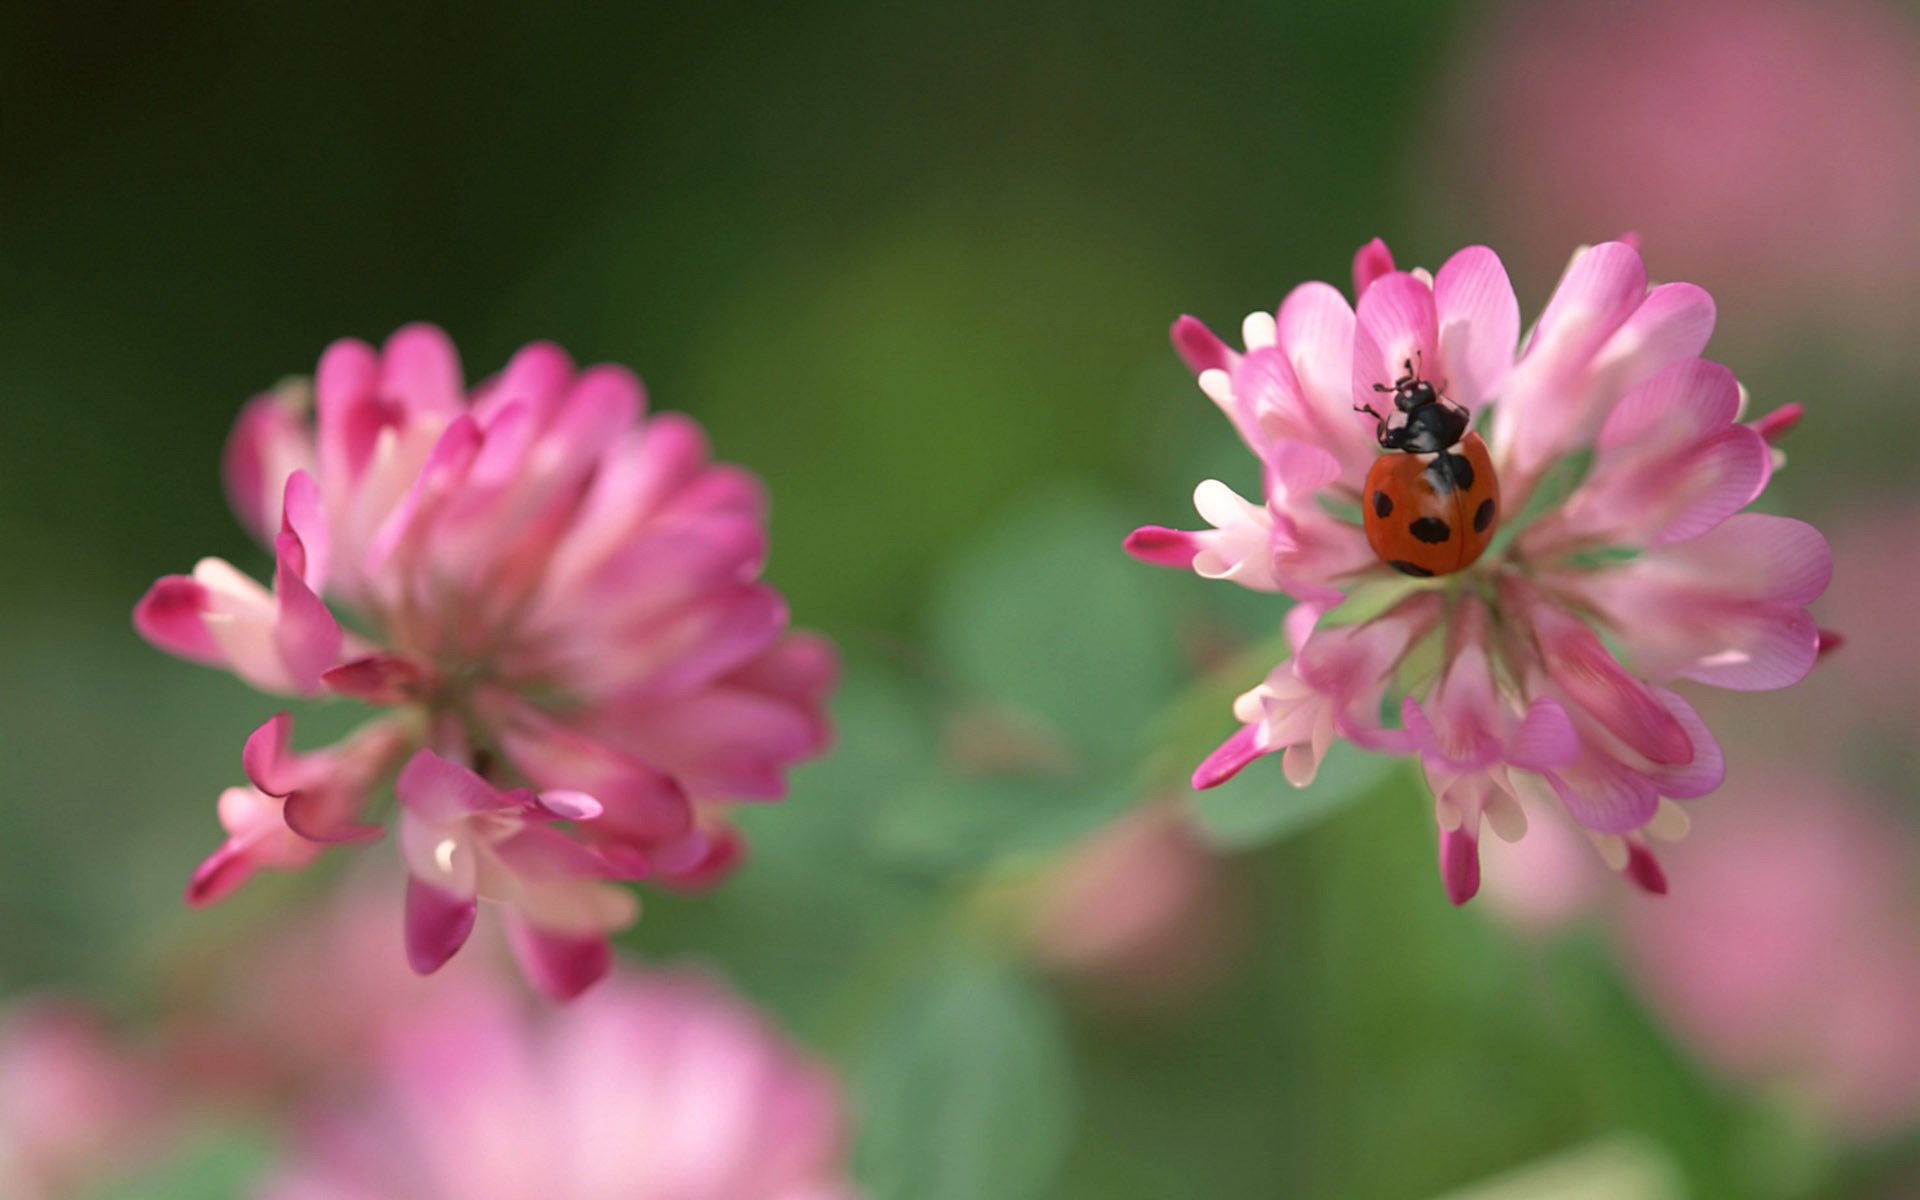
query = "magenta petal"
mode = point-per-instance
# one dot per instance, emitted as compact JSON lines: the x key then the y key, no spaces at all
{"x":1779,"y":423}
{"x":1644,"y":869}
{"x":1459,"y":864}
{"x":307,"y":814}
{"x":377,"y":679}
{"x":168,"y":616}
{"x":220,"y":874}
{"x":1199,"y":347}
{"x":438,"y":924}
{"x":722,"y":851}
{"x":1370,"y":262}
{"x":1227,"y":760}
{"x":1163,"y":547}
{"x":559,"y":965}
{"x":305,"y":634}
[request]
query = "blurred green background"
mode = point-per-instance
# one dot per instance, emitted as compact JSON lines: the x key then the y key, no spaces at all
{"x":914,"y":264}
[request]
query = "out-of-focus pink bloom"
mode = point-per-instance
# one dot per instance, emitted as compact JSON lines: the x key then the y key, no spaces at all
{"x":1142,"y":914}
{"x":75,"y":1108}
{"x":560,"y":594}
{"x":1792,"y":953}
{"x":1773,"y":145}
{"x":297,"y":1010}
{"x":650,"y":1088}
{"x":1543,"y":664}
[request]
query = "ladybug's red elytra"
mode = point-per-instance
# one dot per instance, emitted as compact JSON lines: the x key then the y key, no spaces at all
{"x":1432,"y":505}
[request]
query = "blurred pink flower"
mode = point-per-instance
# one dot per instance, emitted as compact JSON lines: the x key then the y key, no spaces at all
{"x":1772,"y":145}
{"x":561,"y":597}
{"x":75,"y":1107}
{"x":1543,"y":664}
{"x":1792,"y":955}
{"x":652,"y":1088}
{"x":1142,"y":914}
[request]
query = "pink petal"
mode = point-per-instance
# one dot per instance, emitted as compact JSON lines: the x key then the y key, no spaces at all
{"x":438,"y":924}
{"x":266,"y":756}
{"x":721,"y":853}
{"x":270,"y":440}
{"x":305,"y":634}
{"x":220,"y":874}
{"x":439,"y":792}
{"x":1460,"y":864}
{"x":1227,"y":760}
{"x":1314,"y":329}
{"x":349,"y":413}
{"x":313,"y":815}
{"x":420,"y":369}
{"x":1163,"y":547}
{"x":639,"y":800}
{"x":377,"y":679}
{"x":537,"y":376}
{"x":168,"y":616}
{"x":605,"y":401}
{"x":1395,"y":324}
{"x":1602,"y":287}
{"x":1580,"y":664}
{"x":1670,"y":325}
{"x":1479,"y":324}
{"x":302,"y":516}
{"x":1370,"y":262}
{"x":1604,"y":795}
{"x":1705,"y":768}
{"x":1546,"y":737}
{"x":1199,"y":347}
{"x":1777,"y":424}
{"x":570,"y":806}
{"x":560,"y":965}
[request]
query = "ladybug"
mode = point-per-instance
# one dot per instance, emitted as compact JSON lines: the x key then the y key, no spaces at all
{"x":1432,"y":505}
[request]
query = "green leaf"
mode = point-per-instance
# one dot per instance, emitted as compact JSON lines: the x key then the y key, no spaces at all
{"x":967,"y":1091}
{"x":1050,"y":617}
{"x":1259,"y":806}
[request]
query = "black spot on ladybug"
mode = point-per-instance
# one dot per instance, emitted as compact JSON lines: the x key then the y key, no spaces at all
{"x":1461,"y":467}
{"x":1382,"y":504}
{"x":1437,"y":476}
{"x":1431,"y":530}
{"x":1483,"y":516}
{"x":1414,"y":569}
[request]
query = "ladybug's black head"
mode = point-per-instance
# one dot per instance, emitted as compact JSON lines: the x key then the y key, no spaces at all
{"x":1410,"y":394}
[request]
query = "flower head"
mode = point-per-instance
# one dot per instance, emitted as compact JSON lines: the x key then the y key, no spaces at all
{"x":558,"y":602}
{"x":1622,"y":561}
{"x":652,"y":1088}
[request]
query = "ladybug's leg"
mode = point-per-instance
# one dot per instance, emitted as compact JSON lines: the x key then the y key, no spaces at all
{"x":1380,"y":431}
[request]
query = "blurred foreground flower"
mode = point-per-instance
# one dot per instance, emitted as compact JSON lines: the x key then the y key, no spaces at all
{"x":75,"y":1108}
{"x":653,"y":1088}
{"x":1144,"y":914}
{"x":1621,"y":562}
{"x":563,"y":611}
